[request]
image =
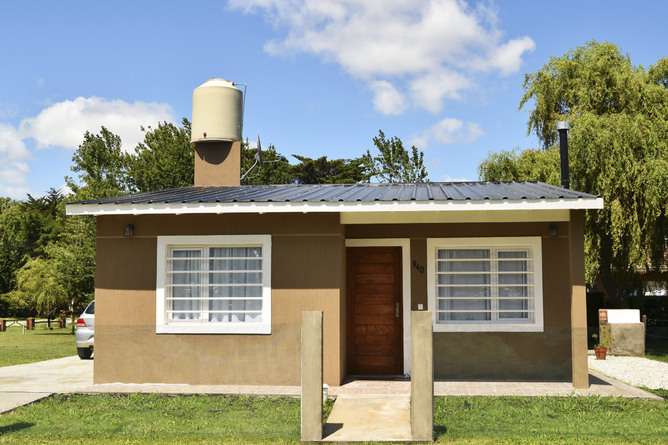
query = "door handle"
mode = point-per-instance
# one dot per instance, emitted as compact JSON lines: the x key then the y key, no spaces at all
{"x":396,"y":309}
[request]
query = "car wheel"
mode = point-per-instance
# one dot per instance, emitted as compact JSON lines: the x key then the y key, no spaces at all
{"x":84,"y":353}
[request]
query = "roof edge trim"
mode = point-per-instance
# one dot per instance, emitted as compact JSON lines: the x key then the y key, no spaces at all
{"x":333,"y":207}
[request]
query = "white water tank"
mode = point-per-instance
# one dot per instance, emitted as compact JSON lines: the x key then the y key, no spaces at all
{"x":217,"y":112}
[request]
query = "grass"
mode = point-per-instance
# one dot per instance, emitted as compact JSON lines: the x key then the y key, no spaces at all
{"x":656,"y":350}
{"x":159,"y":418}
{"x":550,"y":419}
{"x":659,"y":392}
{"x":35,"y":346}
{"x":154,"y":418}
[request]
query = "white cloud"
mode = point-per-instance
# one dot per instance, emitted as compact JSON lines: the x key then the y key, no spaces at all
{"x":63,"y":124}
{"x":13,"y":166}
{"x":12,"y":147}
{"x":450,"y":131}
{"x":434,"y":46}
{"x":430,"y":90}
{"x":387,"y":99}
{"x":506,"y":58}
{"x":13,"y":181}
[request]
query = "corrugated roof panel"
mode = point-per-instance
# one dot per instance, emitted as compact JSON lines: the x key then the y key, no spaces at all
{"x":349,"y":193}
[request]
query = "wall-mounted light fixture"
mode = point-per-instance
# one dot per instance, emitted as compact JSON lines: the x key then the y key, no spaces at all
{"x":128,"y":231}
{"x":554,"y":231}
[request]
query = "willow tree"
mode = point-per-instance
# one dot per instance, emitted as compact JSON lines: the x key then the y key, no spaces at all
{"x":618,"y":115}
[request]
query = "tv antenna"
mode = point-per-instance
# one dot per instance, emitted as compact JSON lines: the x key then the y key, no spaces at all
{"x":258,"y":158}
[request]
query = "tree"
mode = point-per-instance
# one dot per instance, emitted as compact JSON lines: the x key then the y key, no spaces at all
{"x":618,"y":145}
{"x":39,"y":281}
{"x":100,"y":165}
{"x":63,"y":272}
{"x":164,"y":160}
{"x":275,"y":170}
{"x":27,"y":226}
{"x":518,"y":165}
{"x":394,"y":163}
{"x":328,"y":171}
{"x":14,"y":243}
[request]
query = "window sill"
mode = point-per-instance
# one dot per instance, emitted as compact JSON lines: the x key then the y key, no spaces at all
{"x":213,"y":328}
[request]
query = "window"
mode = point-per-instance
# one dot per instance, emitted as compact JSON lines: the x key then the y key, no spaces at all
{"x":214,"y":284}
{"x":486,"y":284}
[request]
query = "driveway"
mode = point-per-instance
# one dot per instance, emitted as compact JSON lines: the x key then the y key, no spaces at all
{"x":22,"y":384}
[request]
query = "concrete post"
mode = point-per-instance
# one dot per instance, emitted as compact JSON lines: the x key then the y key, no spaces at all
{"x":422,"y":376}
{"x":580,"y":366}
{"x":311,"y":401}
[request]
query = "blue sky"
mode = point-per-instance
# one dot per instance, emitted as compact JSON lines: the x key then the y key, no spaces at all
{"x":323,"y":75}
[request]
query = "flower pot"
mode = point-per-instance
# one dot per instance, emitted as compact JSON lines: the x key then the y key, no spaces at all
{"x":600,"y":353}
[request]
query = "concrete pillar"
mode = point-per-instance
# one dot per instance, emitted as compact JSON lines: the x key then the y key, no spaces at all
{"x":580,"y":366}
{"x":311,"y":401}
{"x":218,"y":163}
{"x":422,"y":376}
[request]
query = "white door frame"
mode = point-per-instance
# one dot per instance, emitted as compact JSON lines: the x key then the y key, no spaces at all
{"x":405,"y":244}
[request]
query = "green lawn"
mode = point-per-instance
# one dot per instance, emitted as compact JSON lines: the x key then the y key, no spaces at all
{"x":656,"y":349}
{"x":35,"y":346}
{"x":159,"y":418}
{"x":550,"y":419}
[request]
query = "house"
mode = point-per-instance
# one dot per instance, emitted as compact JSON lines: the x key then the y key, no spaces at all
{"x":207,"y":284}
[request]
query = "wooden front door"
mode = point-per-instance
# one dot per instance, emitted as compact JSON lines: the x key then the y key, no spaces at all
{"x":375,"y":334}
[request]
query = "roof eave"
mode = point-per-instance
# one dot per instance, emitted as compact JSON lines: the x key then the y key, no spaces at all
{"x":333,"y":207}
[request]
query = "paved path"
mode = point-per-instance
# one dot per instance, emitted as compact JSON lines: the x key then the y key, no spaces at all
{"x":359,"y":418}
{"x":22,"y":384}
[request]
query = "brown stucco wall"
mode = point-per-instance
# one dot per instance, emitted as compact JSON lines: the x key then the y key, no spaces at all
{"x":307,"y":253}
{"x":308,"y":273}
{"x":217,"y":163}
{"x":496,"y":355}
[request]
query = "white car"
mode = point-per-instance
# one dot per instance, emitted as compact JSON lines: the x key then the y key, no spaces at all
{"x":83,"y":337}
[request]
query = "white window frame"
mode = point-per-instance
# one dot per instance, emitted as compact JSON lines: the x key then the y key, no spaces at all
{"x":164,"y":326}
{"x":533,"y":244}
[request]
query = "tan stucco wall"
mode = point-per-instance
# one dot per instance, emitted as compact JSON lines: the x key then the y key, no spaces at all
{"x":578,"y":302}
{"x":496,"y":355}
{"x":217,"y":163}
{"x":308,"y":273}
{"x":127,"y":349}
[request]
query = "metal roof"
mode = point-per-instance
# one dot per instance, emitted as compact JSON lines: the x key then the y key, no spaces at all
{"x":343,"y":198}
{"x":429,"y":191}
